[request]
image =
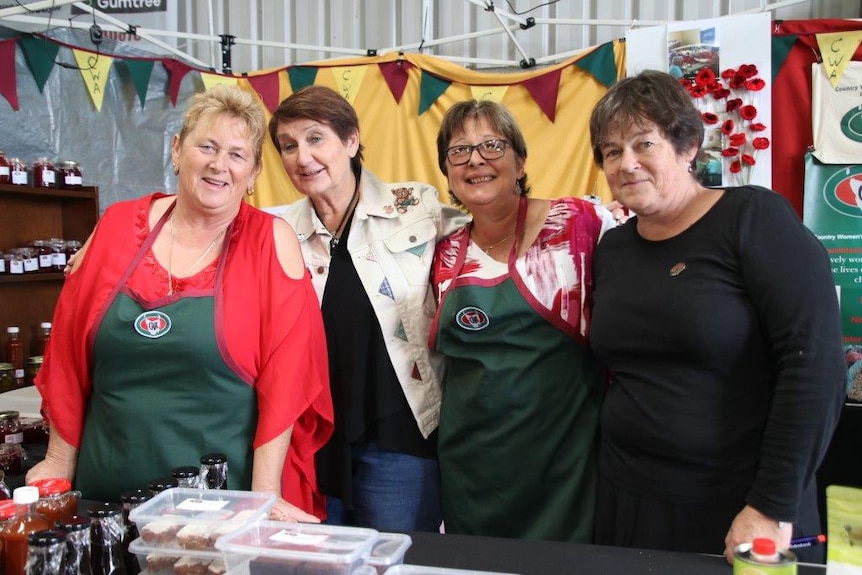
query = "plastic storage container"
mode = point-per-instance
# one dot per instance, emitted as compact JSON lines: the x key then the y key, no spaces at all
{"x":280,"y":548}
{"x":422,"y":570}
{"x":192,"y":519}
{"x":155,"y":560}
{"x":388,"y":550}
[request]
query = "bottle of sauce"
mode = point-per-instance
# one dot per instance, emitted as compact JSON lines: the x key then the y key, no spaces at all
{"x":131,"y":500}
{"x":7,"y":512}
{"x":156,"y":486}
{"x":44,"y":335}
{"x":106,"y":539}
{"x":45,"y":552}
{"x":186,"y":476}
{"x":15,"y":353}
{"x":14,"y":534}
{"x":213,"y":472}
{"x":76,"y":559}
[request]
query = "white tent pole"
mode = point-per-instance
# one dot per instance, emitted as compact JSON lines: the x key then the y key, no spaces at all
{"x":33,"y":7}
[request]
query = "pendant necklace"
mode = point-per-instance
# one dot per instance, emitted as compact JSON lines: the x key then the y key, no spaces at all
{"x":197,"y":261}
{"x":501,"y":242}
{"x":336,"y":235}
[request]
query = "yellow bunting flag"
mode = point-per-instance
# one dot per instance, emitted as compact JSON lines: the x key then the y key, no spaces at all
{"x":348,"y":79}
{"x":94,"y":70}
{"x":211,"y":80}
{"x":493,"y":93}
{"x":837,"y":50}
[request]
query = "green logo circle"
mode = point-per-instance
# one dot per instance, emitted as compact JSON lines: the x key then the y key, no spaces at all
{"x":851,"y":124}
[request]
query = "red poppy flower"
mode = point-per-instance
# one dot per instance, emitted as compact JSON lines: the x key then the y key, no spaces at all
{"x":727,"y":127}
{"x":760,"y":143}
{"x":748,"y":70}
{"x":733,"y":104}
{"x":738,"y":139}
{"x":728,"y":73}
{"x":737,"y":82}
{"x":756,"y":127}
{"x":709,"y":118}
{"x":697,"y":91}
{"x":735,"y":167}
{"x":748,"y":112}
{"x":755,"y":84}
{"x":747,"y":159}
{"x":720,"y":92}
{"x":705,"y":77}
{"x":729,"y":152}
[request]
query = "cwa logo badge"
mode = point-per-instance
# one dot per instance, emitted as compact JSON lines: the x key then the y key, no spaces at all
{"x":153,"y":324}
{"x":842,"y":191}
{"x":472,"y":319}
{"x":851,"y":124}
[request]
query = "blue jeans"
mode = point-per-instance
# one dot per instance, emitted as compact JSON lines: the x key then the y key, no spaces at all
{"x":391,"y":492}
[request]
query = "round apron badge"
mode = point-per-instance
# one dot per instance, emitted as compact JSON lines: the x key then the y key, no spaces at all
{"x":472,"y":319}
{"x":153,"y":324}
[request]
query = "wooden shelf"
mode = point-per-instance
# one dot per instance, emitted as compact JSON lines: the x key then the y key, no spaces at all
{"x":27,"y":214}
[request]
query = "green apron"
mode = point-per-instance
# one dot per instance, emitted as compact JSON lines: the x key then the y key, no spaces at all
{"x":519,"y":416}
{"x":162,"y":395}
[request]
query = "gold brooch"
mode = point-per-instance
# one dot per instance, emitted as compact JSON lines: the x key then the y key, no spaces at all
{"x":677,"y":269}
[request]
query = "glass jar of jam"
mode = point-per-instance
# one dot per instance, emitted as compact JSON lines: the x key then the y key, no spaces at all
{"x":11,"y":459}
{"x":2,"y":263}
{"x":70,"y":175}
{"x":58,"y":254}
{"x":44,"y":173}
{"x":34,"y":430}
{"x":72,"y":247}
{"x":14,"y":262}
{"x":18,"y":171}
{"x":43,"y":252}
{"x":156,"y":486}
{"x":7,"y":377}
{"x":5,"y":170}
{"x":30,"y":260}
{"x":56,"y":499}
{"x":31,"y":369}
{"x":10,"y":427}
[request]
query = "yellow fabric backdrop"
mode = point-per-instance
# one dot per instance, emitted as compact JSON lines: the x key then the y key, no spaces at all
{"x":401,"y":145}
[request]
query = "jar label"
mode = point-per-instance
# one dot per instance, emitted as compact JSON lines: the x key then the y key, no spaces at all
{"x":2,"y":265}
{"x":193,"y":504}
{"x":14,"y":437}
{"x":48,"y":177}
{"x":4,"y":170}
{"x":58,"y":259}
{"x":16,"y":267}
{"x":294,"y":538}
{"x":31,"y":264}
{"x":19,"y":177}
{"x":45,"y":260}
{"x":73,"y":180}
{"x":19,"y":374}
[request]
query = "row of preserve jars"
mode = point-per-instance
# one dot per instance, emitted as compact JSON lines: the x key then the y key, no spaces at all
{"x":40,"y":256}
{"x":45,"y":174}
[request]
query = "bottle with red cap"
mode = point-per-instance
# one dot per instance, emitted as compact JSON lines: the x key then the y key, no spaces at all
{"x":14,"y":534}
{"x":762,"y":556}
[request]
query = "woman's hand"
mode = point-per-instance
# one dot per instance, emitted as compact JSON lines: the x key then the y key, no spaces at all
{"x":60,"y":460}
{"x":750,"y":523}
{"x":284,"y":511}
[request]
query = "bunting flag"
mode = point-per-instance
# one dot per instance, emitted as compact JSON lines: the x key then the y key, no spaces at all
{"x":267,"y":88}
{"x":396,"y":76}
{"x":94,"y":70}
{"x":8,"y":80}
{"x":40,"y":55}
{"x":544,"y":90}
{"x":209,"y":79}
{"x":177,"y":71}
{"x":349,"y":79}
{"x":140,"y":71}
{"x":430,"y":88}
{"x":836,"y":50}
{"x":600,"y":63}
{"x":493,"y":93}
{"x":781,"y":46}
{"x":301,"y":76}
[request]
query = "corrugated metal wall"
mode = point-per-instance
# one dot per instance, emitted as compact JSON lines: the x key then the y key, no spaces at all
{"x":351,"y":27}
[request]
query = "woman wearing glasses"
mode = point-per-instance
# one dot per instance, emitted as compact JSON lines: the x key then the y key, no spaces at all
{"x":521,"y":394}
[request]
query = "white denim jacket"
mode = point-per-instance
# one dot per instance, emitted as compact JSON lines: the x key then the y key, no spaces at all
{"x":392,"y":239}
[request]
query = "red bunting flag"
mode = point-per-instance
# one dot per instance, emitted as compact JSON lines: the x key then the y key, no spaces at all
{"x":178,"y":71}
{"x":8,"y":83}
{"x":267,"y":87}
{"x":395,"y":74}
{"x":544,"y":90}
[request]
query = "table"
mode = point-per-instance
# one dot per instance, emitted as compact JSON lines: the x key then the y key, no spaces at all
{"x":553,"y":558}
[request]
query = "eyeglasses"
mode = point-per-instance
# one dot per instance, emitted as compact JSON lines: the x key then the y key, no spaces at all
{"x":489,"y":150}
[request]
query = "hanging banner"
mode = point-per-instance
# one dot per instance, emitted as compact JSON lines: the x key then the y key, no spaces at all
{"x":493,"y":93}
{"x":833,"y":212}
{"x":836,"y":50}
{"x":348,"y":79}
{"x":836,"y":115}
{"x":94,"y":70}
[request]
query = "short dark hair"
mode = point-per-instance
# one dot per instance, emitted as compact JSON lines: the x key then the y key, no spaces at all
{"x":650,"y":96}
{"x":497,"y":115}
{"x":324,"y":105}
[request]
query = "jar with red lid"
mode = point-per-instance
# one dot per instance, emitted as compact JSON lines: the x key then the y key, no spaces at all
{"x":57,"y":500}
{"x":18,"y":171}
{"x":5,"y":170}
{"x":70,"y":175}
{"x":44,"y":173}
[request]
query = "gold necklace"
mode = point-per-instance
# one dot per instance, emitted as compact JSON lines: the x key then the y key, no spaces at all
{"x":336,"y":235}
{"x":501,"y":242}
{"x":197,"y":261}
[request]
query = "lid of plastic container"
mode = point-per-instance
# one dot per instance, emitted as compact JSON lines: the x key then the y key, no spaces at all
{"x":13,"y":329}
{"x":763,"y":546}
{"x":74,"y":523}
{"x":52,"y":486}
{"x":7,"y":509}
{"x":25,"y":495}
{"x":44,"y":538}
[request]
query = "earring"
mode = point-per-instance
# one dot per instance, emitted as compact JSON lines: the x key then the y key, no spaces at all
{"x":250,"y":190}
{"x":690,"y":168}
{"x":176,"y":169}
{"x":518,"y":187}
